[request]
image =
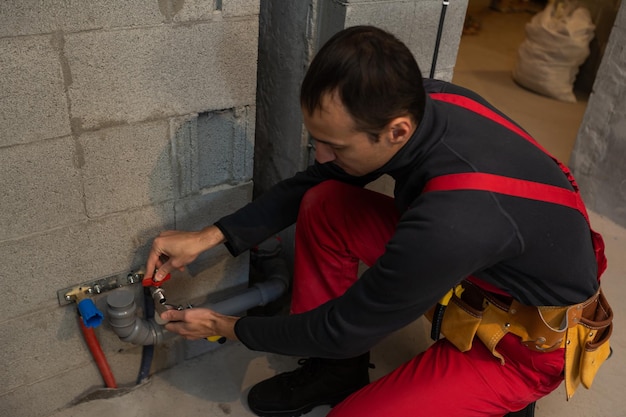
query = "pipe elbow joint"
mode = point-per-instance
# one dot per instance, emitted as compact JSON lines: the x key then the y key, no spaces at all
{"x":143,"y":332}
{"x":125,"y":323}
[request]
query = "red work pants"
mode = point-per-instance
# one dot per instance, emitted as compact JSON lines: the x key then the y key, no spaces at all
{"x":338,"y":225}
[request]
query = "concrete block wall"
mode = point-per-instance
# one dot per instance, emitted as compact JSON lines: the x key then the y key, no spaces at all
{"x":600,"y":151}
{"x":118,"y":119}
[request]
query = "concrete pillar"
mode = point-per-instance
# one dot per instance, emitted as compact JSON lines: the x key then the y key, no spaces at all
{"x":600,"y":151}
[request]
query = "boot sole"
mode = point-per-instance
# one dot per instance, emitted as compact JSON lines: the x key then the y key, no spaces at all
{"x":300,"y":411}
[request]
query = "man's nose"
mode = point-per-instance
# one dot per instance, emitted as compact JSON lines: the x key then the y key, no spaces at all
{"x":323,"y":153}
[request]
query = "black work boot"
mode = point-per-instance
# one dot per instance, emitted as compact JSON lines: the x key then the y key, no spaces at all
{"x":528,"y":411}
{"x":316,"y":382}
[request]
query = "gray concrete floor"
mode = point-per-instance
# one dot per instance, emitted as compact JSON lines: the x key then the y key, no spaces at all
{"x":216,"y":383}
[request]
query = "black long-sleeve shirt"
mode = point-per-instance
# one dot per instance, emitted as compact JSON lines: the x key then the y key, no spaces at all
{"x":540,"y":253}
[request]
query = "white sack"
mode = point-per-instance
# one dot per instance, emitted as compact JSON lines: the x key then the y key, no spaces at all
{"x":556,"y":45}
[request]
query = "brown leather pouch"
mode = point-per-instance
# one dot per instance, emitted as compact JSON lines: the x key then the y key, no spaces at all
{"x":587,"y":345}
{"x":542,"y":328}
{"x":583,"y":329}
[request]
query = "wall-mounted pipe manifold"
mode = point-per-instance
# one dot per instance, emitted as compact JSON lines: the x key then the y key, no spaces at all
{"x":130,"y":328}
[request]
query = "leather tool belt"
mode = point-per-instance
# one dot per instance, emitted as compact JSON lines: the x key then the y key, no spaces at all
{"x":583,"y":330}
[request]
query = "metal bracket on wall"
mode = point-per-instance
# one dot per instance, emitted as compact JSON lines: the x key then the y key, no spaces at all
{"x":98,"y":286}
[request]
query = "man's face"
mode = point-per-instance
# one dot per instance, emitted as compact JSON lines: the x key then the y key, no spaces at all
{"x":338,"y":141}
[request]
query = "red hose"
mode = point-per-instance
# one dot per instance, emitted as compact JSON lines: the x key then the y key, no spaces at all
{"x":98,"y":355}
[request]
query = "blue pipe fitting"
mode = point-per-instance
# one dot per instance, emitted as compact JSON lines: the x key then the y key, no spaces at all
{"x":92,"y":317}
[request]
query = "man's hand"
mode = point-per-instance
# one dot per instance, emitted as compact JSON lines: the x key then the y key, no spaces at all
{"x":200,"y":323}
{"x":174,"y":249}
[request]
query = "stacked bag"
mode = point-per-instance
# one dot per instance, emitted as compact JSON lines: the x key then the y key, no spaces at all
{"x":556,"y":45}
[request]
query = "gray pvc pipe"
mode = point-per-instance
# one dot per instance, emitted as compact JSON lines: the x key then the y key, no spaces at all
{"x":275,"y":284}
{"x":257,"y":295}
{"x":125,"y":322}
{"x":133,"y":329}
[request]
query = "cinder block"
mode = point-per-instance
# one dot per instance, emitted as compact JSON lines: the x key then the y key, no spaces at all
{"x":232,"y":8}
{"x":40,"y":188}
{"x":36,"y":266}
{"x":46,"y":395}
{"x":122,"y":241}
{"x":127,"y":167}
{"x":202,"y":210}
{"x":213,"y":148}
{"x":41,"y":16}
{"x":132,"y":75}
{"x":225,"y":147}
{"x":39,"y":346}
{"x":194,"y":10}
{"x":33,"y":104}
{"x":423,"y":17}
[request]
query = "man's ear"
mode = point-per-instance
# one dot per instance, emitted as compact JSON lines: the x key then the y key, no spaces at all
{"x":400,"y":130}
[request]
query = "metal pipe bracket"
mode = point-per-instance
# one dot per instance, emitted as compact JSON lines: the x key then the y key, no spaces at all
{"x":95,"y":287}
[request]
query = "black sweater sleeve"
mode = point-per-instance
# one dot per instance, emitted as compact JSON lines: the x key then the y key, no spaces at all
{"x":434,"y":247}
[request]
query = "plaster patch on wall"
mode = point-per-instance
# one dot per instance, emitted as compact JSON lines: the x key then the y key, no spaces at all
{"x":58,"y":43}
{"x":177,"y":6}
{"x":212,"y":148}
{"x":170,"y":8}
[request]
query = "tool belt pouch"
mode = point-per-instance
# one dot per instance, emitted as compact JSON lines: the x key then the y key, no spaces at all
{"x":460,"y":320}
{"x":587,"y":344}
{"x":460,"y":323}
{"x":582,"y":329}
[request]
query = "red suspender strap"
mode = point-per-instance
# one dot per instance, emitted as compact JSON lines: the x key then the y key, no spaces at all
{"x":513,"y":186}
{"x":474,"y":106}
{"x":509,"y":186}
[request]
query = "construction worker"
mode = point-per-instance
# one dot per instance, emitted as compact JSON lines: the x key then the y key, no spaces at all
{"x":483,"y":224}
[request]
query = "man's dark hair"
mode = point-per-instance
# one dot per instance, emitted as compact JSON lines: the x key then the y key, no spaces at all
{"x":374,"y":73}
